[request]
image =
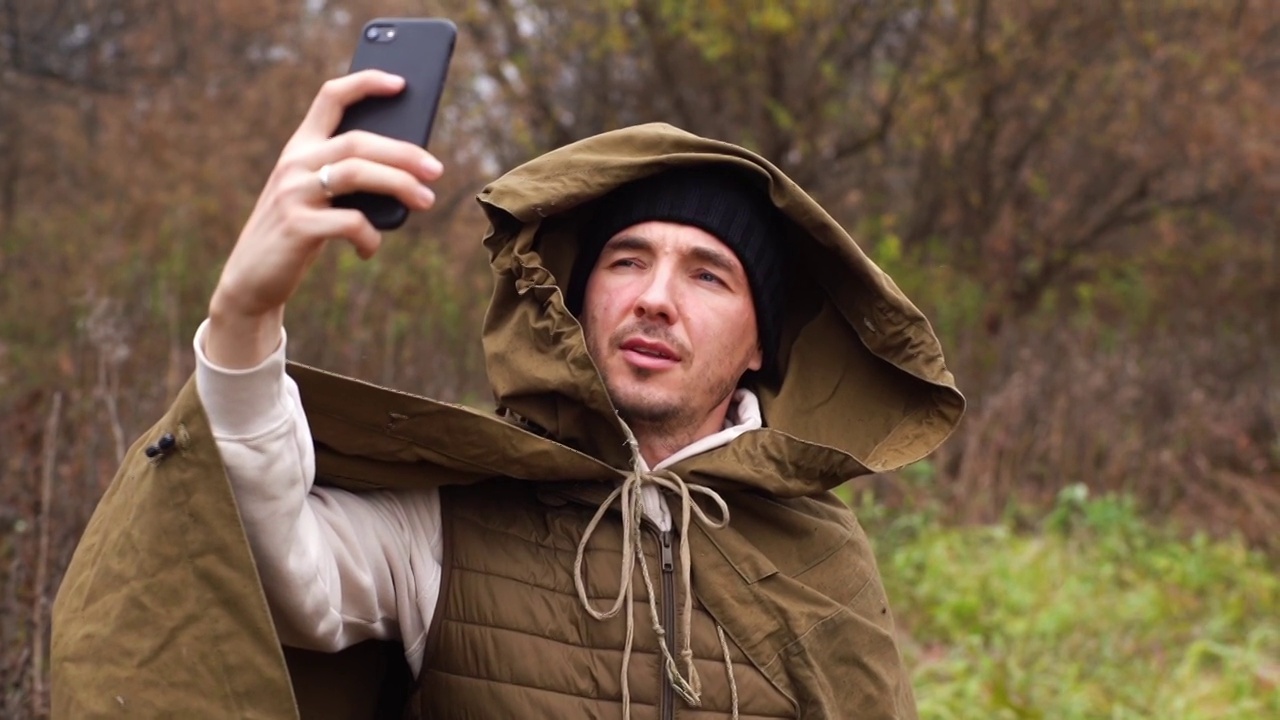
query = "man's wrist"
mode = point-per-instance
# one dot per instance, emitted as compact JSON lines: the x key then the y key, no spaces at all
{"x":236,"y":341}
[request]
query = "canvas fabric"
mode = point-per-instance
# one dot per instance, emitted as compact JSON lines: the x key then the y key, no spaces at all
{"x":161,"y":612}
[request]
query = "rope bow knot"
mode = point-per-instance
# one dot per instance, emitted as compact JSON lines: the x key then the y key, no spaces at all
{"x":688,"y":685}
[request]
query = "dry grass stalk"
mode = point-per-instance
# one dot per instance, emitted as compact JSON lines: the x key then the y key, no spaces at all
{"x":40,"y":598}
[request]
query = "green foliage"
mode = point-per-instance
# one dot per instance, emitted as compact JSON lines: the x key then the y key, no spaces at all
{"x":1101,"y":615}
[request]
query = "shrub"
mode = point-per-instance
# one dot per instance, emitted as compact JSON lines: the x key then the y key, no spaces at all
{"x":1100,"y":615}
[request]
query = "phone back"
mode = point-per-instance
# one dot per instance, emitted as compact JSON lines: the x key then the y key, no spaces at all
{"x":417,"y":49}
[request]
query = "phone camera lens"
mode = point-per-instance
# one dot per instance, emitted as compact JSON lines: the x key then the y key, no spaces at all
{"x":371,"y":33}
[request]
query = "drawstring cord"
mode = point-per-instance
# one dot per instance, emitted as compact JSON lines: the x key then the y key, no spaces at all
{"x":688,"y":684}
{"x":728,"y":666}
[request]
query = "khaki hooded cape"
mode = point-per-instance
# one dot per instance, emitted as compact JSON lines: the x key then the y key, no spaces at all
{"x":161,"y":612}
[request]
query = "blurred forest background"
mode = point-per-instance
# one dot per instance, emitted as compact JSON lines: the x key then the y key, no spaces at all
{"x":1083,"y":196}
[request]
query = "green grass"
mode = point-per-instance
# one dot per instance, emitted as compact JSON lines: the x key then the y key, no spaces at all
{"x":1096,"y":615}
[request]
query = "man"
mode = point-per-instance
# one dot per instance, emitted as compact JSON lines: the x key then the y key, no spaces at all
{"x":686,"y":352}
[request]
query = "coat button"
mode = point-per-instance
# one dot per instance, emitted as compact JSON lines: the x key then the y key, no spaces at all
{"x":162,"y":446}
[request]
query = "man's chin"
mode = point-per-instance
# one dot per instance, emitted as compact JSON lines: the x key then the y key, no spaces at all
{"x":646,"y":408}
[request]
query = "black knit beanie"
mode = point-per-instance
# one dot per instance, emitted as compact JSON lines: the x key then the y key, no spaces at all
{"x":718,"y":200}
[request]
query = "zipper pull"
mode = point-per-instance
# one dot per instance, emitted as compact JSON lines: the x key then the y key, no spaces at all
{"x":668,"y":559}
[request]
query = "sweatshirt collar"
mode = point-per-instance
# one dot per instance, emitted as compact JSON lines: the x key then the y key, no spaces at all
{"x":744,"y":415}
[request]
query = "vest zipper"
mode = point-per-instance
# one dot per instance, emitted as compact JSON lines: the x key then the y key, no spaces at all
{"x":668,"y":701}
{"x":668,"y":620}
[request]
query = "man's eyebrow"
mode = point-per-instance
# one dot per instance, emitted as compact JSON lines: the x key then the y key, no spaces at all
{"x":629,"y":242}
{"x":716,"y":259}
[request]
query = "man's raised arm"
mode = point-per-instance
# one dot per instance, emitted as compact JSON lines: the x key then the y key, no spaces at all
{"x":337,"y":568}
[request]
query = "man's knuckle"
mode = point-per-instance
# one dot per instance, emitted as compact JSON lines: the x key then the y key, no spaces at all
{"x":331,"y":90}
{"x":289,"y":162}
{"x":291,"y":216}
{"x":344,"y":144}
{"x":288,"y":184}
{"x":353,"y":225}
{"x":363,"y":143}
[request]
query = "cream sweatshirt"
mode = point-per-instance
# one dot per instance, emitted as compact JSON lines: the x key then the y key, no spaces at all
{"x":337,"y":567}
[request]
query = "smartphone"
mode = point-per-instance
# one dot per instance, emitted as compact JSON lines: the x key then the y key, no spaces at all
{"x":419,"y":50}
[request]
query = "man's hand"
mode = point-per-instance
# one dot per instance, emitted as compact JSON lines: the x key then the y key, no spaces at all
{"x":293,"y":217}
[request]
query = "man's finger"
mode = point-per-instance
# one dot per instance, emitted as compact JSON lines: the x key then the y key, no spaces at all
{"x":377,"y":148}
{"x":360,"y":175}
{"x":338,"y":94}
{"x":346,"y":224}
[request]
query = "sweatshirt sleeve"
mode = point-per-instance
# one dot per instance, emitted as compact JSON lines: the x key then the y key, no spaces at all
{"x":337,"y":567}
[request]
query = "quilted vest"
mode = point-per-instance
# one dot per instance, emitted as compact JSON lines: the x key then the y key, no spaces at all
{"x":511,"y":639}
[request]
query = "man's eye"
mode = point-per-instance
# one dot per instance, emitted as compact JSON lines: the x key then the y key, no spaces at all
{"x":709,"y":277}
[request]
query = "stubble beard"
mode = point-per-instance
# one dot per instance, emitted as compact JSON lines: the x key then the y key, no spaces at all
{"x":647,"y":412}
{"x":677,"y":419}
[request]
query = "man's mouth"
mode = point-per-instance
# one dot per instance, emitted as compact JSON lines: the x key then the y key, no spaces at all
{"x":647,"y":352}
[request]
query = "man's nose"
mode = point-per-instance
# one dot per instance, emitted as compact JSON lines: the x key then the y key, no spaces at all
{"x":656,"y":300}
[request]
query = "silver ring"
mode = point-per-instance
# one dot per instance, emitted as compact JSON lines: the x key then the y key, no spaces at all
{"x":323,"y":176}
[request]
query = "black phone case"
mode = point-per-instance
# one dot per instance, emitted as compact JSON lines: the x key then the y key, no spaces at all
{"x":420,"y":53}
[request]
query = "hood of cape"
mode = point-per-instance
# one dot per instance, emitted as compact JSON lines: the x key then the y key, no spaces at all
{"x":862,"y":384}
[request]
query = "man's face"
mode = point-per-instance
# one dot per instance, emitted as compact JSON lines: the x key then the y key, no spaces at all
{"x":670,"y":322}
